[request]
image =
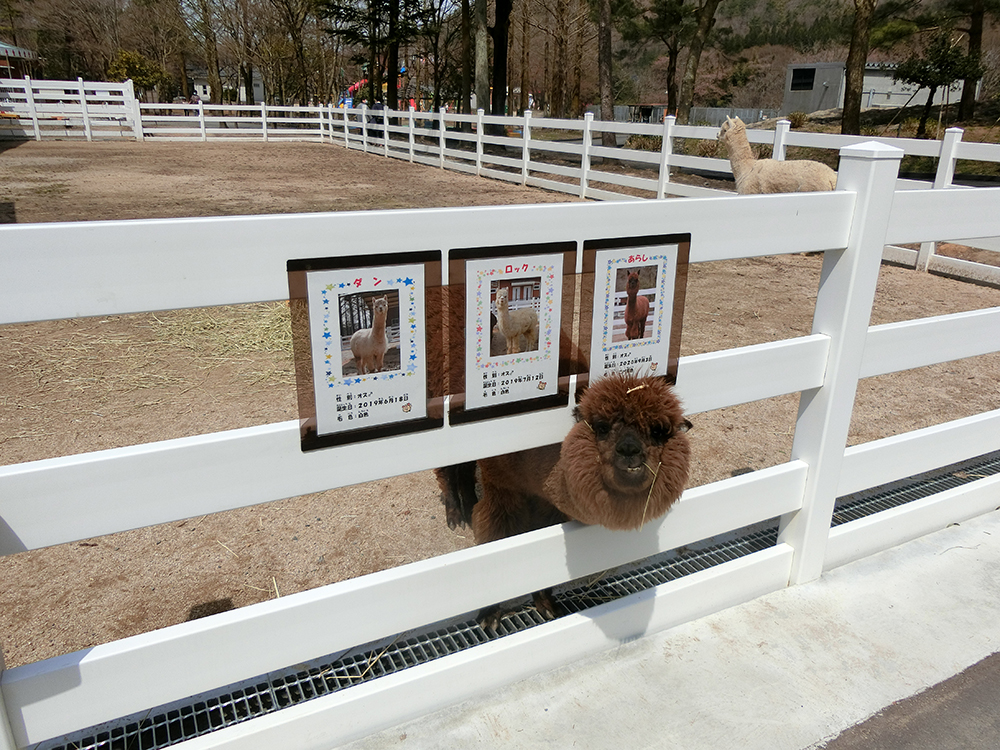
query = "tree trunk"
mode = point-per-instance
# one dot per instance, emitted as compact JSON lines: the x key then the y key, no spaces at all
{"x":185,"y":89}
{"x":211,"y":49}
{"x":857,"y":57}
{"x":967,"y":105}
{"x":558,"y":94}
{"x":392,"y":61}
{"x":482,"y":56}
{"x":604,"y":69}
{"x":926,"y":114}
{"x":464,"y":106}
{"x":246,"y":72}
{"x":576,"y":103}
{"x":673,"y":52}
{"x":501,"y":38}
{"x":706,"y":20}
{"x":525,"y":58}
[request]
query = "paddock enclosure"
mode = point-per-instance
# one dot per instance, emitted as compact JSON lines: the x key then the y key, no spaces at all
{"x":322,"y":667}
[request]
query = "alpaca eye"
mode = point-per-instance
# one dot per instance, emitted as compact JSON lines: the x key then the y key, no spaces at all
{"x":601,"y":429}
{"x":661,"y":433}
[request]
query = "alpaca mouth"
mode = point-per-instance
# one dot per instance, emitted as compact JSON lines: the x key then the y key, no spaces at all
{"x":631,"y":476}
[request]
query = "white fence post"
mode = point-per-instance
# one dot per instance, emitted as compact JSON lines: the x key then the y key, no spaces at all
{"x":385,"y":131}
{"x":133,"y":104}
{"x":525,"y":148}
{"x":201,"y":120}
{"x":412,"y":133}
{"x":441,"y":139}
{"x":347,"y":127}
{"x":83,"y":110}
{"x":588,"y":137}
{"x":364,"y":127}
{"x":780,"y":136}
{"x":666,"y":149}
{"x":942,"y":179}
{"x":29,"y":96}
{"x":479,"y":142}
{"x":843,"y":309}
{"x":6,"y":736}
{"x":263,"y":120}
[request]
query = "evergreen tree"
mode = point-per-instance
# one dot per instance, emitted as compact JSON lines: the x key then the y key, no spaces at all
{"x":942,"y":64}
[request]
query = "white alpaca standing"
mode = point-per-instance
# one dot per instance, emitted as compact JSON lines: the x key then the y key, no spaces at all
{"x":513,"y":324}
{"x":768,"y":175}
{"x":369,"y":344}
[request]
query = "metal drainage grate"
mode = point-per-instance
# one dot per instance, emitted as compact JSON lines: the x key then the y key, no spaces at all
{"x":888,"y":496}
{"x":167,"y":725}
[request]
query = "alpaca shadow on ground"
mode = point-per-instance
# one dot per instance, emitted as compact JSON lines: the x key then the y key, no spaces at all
{"x":621,"y":620}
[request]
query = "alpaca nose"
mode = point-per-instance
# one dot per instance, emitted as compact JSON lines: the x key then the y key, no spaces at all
{"x":629,"y":446}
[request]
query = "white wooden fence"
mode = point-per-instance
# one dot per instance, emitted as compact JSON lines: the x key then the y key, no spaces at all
{"x":94,"y":268}
{"x":67,"y":109}
{"x":555,"y":154}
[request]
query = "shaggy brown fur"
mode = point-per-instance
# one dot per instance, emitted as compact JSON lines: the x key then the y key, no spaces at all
{"x":624,"y":463}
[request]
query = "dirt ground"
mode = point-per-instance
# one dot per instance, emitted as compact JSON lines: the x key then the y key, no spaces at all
{"x":67,"y":387}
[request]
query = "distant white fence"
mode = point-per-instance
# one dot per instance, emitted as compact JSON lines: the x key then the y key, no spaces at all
{"x":555,"y":154}
{"x":96,"y":268}
{"x":67,"y":109}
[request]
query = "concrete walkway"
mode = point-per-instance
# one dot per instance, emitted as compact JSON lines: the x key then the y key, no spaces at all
{"x":788,"y":671}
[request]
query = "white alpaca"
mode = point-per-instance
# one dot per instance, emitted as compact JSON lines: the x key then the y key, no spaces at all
{"x":369,"y":344}
{"x":515,"y":324}
{"x":768,"y":175}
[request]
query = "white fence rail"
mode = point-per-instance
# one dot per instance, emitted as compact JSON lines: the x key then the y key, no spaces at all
{"x":555,"y":154}
{"x":94,"y":268}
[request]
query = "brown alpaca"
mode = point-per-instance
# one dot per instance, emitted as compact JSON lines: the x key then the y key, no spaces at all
{"x":515,"y":324}
{"x":636,"y":309}
{"x":368,"y":345}
{"x":623,"y":463}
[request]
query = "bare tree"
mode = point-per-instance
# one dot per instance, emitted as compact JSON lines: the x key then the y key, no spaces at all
{"x":525,"y":102}
{"x":604,"y":69}
{"x":857,"y":58}
{"x":705,"y":23}
{"x":501,"y":45}
{"x":481,"y":34}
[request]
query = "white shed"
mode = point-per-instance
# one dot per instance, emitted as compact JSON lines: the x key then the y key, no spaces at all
{"x":810,"y":87}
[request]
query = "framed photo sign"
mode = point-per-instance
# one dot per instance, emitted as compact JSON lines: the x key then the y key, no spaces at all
{"x":635,"y":321}
{"x":364,"y":356}
{"x":515,"y":300}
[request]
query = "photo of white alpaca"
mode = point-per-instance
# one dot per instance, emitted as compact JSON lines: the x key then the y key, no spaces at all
{"x":369,"y":345}
{"x":513,"y":324}
{"x":755,"y":176}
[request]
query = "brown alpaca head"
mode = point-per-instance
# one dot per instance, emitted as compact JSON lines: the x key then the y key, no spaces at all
{"x":380,"y":306}
{"x":626,"y":460}
{"x":632,"y":285}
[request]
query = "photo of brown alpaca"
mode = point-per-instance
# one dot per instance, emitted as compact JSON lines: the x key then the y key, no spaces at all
{"x":514,"y":324}
{"x":368,"y":345}
{"x":636,"y":309}
{"x":623,"y":464}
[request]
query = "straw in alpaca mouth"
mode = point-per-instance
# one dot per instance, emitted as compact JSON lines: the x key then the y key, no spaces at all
{"x":651,"y":485}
